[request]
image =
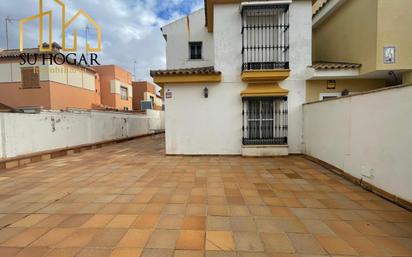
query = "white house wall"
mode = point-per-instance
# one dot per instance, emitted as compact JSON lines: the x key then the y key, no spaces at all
{"x":180,"y":33}
{"x":366,"y":136}
{"x":198,"y":125}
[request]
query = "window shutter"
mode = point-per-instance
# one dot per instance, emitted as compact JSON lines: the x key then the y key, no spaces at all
{"x":30,"y":78}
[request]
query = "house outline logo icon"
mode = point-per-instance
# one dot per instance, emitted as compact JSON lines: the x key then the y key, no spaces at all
{"x":65,"y":26}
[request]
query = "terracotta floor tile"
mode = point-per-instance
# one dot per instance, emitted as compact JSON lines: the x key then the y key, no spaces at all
{"x":137,"y":198}
{"x":276,"y":243}
{"x":126,"y":252}
{"x":170,"y":222}
{"x":33,"y":252}
{"x":317,"y":227}
{"x":290,"y":225}
{"x":51,"y":221}
{"x":107,"y":237}
{"x":194,"y":223}
{"x":248,"y":241}
{"x":220,"y":254}
{"x":9,"y":251}
{"x":364,"y":246}
{"x":392,"y":245}
{"x":267,"y":224}
{"x":196,"y":210}
{"x":30,"y":220}
{"x":188,"y":253}
{"x":98,"y":221}
{"x":191,"y":240}
{"x":157,"y":253}
{"x":257,"y":210}
{"x":335,"y":245}
{"x":121,"y":221}
{"x":252,"y":254}
{"x":219,"y":241}
{"x":239,"y":210}
{"x":367,"y":228}
{"x":163,"y":239}
{"x":342,"y":228}
{"x":135,"y":238}
{"x":7,"y":233}
{"x":53,"y":237}
{"x":75,"y":220}
{"x":79,"y":238}
{"x":94,"y":252}
{"x":62,"y":252}
{"x":243,"y":224}
{"x":25,"y":238}
{"x":145,"y":221}
{"x":282,"y":212}
{"x":218,"y":223}
{"x":305,"y":244}
{"x":217,"y":210}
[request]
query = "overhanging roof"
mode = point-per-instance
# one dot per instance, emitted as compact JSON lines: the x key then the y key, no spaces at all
{"x":190,"y":75}
{"x":333,"y":70}
{"x":335,"y":65}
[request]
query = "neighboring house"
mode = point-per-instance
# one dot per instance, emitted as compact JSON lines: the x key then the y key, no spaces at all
{"x":237,"y":85}
{"x":116,"y":87}
{"x":145,"y":96}
{"x":360,"y":46}
{"x":47,"y":86}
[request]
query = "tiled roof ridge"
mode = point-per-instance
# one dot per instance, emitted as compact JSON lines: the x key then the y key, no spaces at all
{"x":186,"y":71}
{"x":323,"y":65}
{"x":318,"y":8}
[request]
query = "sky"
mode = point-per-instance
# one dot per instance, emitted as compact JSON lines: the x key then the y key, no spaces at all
{"x":131,"y":35}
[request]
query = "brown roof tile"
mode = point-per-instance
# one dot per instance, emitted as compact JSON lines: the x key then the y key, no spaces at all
{"x":189,"y":71}
{"x":318,"y":5}
{"x":335,"y":65}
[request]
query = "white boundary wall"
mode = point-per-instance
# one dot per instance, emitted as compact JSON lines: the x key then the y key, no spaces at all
{"x":30,"y":133}
{"x":368,"y":136}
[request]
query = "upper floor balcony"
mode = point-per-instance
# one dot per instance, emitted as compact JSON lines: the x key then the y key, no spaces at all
{"x":265,"y":38}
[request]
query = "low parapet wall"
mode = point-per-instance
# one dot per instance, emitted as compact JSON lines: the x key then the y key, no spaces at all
{"x":27,"y":134}
{"x":367,"y":136}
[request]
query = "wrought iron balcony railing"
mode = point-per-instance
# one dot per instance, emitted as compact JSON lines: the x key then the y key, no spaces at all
{"x":265,"y":37}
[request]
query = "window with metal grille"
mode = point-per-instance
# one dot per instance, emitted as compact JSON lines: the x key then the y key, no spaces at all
{"x":265,"y":37}
{"x":124,"y":93}
{"x":195,"y":50}
{"x":30,"y":78}
{"x":265,"y":121}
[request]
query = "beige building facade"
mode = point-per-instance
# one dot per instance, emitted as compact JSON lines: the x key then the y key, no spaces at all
{"x":361,"y":45}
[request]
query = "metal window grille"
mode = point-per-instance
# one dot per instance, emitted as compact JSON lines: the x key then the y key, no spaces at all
{"x":265,"y":37}
{"x":124,"y":93}
{"x":265,"y":121}
{"x":195,"y":49}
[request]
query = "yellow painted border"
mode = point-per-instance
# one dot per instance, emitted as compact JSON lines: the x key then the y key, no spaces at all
{"x":210,"y":10}
{"x":185,"y":79}
{"x":265,"y":75}
{"x":264,"y":89}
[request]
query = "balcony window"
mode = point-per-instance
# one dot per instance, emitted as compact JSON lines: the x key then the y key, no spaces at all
{"x":265,"y":121}
{"x":124,"y":93}
{"x":265,"y":37}
{"x":30,"y":78}
{"x":195,"y":50}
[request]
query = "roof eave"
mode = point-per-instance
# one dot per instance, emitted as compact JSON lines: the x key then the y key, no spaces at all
{"x":325,"y":11}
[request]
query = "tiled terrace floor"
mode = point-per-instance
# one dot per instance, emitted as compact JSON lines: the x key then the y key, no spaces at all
{"x":130,"y":200}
